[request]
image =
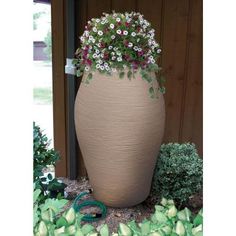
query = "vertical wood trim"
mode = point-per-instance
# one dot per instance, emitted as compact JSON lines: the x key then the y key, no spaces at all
{"x":185,"y":72}
{"x":59,"y":96}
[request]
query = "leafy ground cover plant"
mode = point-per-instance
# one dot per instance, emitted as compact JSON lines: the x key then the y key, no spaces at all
{"x":166,"y":220}
{"x":44,"y":156}
{"x":179,"y":172}
{"x":116,"y":42}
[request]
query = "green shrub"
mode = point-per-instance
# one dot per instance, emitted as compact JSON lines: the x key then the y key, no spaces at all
{"x":166,"y":220}
{"x":44,"y":156}
{"x":178,"y":173}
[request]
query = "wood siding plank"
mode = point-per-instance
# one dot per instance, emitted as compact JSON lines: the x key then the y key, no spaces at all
{"x":175,"y":17}
{"x":123,"y":6}
{"x":97,"y":7}
{"x":193,"y":113}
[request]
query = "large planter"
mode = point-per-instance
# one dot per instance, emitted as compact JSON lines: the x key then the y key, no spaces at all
{"x":119,"y":129}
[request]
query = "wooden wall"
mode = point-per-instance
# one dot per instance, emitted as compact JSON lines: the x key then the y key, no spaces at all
{"x":178,"y":25}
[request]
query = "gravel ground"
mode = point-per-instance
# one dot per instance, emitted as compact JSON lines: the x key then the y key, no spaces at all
{"x":117,"y":215}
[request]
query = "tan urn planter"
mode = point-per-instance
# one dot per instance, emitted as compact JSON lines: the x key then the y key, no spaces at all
{"x":119,"y":129}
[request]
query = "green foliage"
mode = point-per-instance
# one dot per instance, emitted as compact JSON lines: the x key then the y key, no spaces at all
{"x":179,"y":172}
{"x":166,"y":221}
{"x":47,"y":210}
{"x":44,"y":156}
{"x":48,"y":42}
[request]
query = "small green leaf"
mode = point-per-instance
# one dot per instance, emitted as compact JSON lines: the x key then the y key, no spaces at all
{"x":104,"y":231}
{"x":198,"y":220}
{"x":75,"y":61}
{"x":62,"y":222}
{"x":90,"y":76}
{"x":145,"y":227}
{"x":36,"y":194}
{"x":122,"y":74}
{"x":79,"y":73}
{"x":124,"y":230}
{"x":151,"y":92}
{"x":129,"y":74}
{"x":87,"y":229}
{"x":160,"y":217}
{"x":162,"y":89}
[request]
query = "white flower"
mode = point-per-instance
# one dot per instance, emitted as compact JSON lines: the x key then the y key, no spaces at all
{"x":97,"y":51}
{"x":139,"y":49}
{"x":118,"y":31}
{"x":135,"y":48}
{"x":130,"y":45}
{"x":86,"y":68}
{"x":90,"y":37}
{"x":86,"y":33}
{"x":99,"y":44}
{"x":100,"y":61}
{"x":97,"y":20}
{"x":112,"y":26}
{"x":82,"y":39}
{"x":93,"y":40}
{"x":102,"y":67}
{"x":118,"y":53}
{"x":95,"y":55}
{"x":95,"y":29}
{"x":103,"y":22}
{"x":100,"y":32}
{"x":110,"y":47}
{"x":105,"y":64}
{"x":158,"y":50}
{"x":119,"y":59}
{"x":97,"y":66}
{"x":125,"y":32}
{"x":152,"y":61}
{"x":115,"y":48}
{"x":133,"y":34}
{"x":113,"y":37}
{"x":113,"y":58}
{"x":118,"y":19}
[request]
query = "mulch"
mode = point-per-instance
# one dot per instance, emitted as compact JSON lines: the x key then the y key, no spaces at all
{"x":122,"y":215}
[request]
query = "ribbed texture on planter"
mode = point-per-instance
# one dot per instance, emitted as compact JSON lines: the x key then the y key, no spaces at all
{"x":119,"y":129}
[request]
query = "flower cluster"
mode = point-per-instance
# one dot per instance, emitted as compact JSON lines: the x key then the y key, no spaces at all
{"x":115,"y":42}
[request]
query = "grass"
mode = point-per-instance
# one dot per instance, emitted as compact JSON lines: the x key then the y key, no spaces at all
{"x":43,"y":96}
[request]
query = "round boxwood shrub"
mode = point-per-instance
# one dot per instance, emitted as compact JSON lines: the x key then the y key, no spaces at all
{"x":178,"y":173}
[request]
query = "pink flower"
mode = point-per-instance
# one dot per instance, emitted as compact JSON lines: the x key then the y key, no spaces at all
{"x":89,"y":62}
{"x":140,"y":53}
{"x":126,"y":42}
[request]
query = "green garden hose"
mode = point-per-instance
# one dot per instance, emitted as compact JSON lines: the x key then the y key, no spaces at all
{"x":89,"y":217}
